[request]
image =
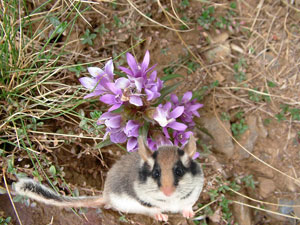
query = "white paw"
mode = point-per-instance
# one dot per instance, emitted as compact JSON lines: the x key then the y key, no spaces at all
{"x":161,"y":217}
{"x":188,"y":213}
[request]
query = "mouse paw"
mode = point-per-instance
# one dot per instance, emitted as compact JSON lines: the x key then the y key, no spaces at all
{"x":161,"y":217}
{"x":188,"y":213}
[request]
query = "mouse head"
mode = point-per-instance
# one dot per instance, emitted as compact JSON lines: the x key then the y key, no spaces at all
{"x":166,"y":167}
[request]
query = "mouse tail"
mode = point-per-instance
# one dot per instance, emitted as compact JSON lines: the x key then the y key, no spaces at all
{"x":34,"y":190}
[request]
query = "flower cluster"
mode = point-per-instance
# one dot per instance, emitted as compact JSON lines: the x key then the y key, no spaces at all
{"x":134,"y":105}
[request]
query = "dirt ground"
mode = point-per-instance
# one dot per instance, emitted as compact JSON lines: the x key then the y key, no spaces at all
{"x":257,"y":64}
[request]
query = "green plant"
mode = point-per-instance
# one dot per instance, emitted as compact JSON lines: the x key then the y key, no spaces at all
{"x":5,"y":221}
{"x":185,"y":3}
{"x":77,"y":69}
{"x":117,"y":21}
{"x":240,"y":70}
{"x":192,"y":66}
{"x":249,"y":182}
{"x":88,"y":37}
{"x":225,"y":116}
{"x":219,"y":193}
{"x":206,"y":19}
{"x":102,"y":29}
{"x":239,"y":126}
{"x":285,"y":109}
{"x":256,"y":97}
{"x":184,"y":19}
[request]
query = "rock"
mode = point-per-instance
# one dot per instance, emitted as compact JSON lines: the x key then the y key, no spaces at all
{"x":261,"y":169}
{"x":248,"y":139}
{"x":297,"y":209}
{"x":237,"y":48}
{"x":218,"y":38}
{"x":266,"y":187}
{"x":218,"y":76}
{"x":242,"y":213}
{"x":262,"y":131}
{"x":222,"y":142}
{"x":218,"y":53}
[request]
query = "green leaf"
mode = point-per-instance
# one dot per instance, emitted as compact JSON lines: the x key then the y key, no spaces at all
{"x":103,"y":144}
{"x":165,"y":91}
{"x":205,"y":131}
{"x":18,"y":198}
{"x":144,"y":129}
{"x":271,"y":84}
{"x":52,"y":170}
{"x":170,"y":77}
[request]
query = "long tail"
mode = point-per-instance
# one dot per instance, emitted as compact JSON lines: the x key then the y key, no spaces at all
{"x":38,"y":192}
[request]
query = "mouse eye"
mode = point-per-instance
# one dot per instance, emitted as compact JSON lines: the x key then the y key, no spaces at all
{"x":156,"y":173}
{"x":179,"y":171}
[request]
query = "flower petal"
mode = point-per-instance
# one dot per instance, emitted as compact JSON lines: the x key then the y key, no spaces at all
{"x":118,"y":137}
{"x":114,"y":107}
{"x":177,"y":112}
{"x":88,"y":82}
{"x":122,"y":83}
{"x":160,"y":115}
{"x":139,"y":83}
{"x":114,"y":122}
{"x":135,"y":100}
{"x":131,"y":144}
{"x":108,"y":99}
{"x":132,"y":129}
{"x":167,"y":107}
{"x":196,"y":155}
{"x":153,"y":76}
{"x":146,"y":61}
{"x":94,"y":93}
{"x":177,"y":126}
{"x":174,"y":98}
{"x":131,"y":62}
{"x":126,"y":70}
{"x":187,"y":96}
{"x":95,"y":71}
{"x":109,"y":69}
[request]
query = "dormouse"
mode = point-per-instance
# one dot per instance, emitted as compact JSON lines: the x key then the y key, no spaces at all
{"x":145,"y":182}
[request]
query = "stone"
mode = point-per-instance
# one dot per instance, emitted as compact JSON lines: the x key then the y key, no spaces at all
{"x":262,"y":131}
{"x":248,"y":139}
{"x":222,"y":141}
{"x":242,"y":213}
{"x":266,"y":187}
{"x":218,"y":53}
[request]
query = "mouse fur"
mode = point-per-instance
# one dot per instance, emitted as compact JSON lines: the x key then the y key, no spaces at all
{"x":144,"y":182}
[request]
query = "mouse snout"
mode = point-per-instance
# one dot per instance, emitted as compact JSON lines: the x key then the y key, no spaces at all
{"x":168,"y":190}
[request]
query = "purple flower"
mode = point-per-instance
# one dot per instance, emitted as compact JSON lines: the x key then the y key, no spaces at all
{"x":99,"y":79}
{"x":132,"y":132}
{"x":112,"y":96}
{"x":190,"y":108}
{"x":136,"y":69}
{"x":181,"y":137}
{"x":114,"y":126}
{"x":159,"y":140}
{"x":131,"y":90}
{"x":167,"y":118}
{"x":152,"y":87}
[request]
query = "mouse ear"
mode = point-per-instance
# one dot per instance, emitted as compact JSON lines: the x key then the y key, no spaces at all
{"x":190,"y":148}
{"x":144,"y":151}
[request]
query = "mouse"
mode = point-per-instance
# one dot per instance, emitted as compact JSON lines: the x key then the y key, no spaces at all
{"x":147,"y":182}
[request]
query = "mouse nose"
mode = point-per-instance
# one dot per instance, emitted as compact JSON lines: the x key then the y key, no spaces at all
{"x":168,"y":191}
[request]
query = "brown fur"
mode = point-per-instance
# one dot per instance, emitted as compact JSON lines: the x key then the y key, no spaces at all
{"x":166,"y":159}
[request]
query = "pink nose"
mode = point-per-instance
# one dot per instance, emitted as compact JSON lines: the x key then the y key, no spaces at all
{"x":168,"y":191}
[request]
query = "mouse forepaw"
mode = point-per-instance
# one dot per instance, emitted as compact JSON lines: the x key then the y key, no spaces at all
{"x":161,"y":217}
{"x":188,"y":213}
